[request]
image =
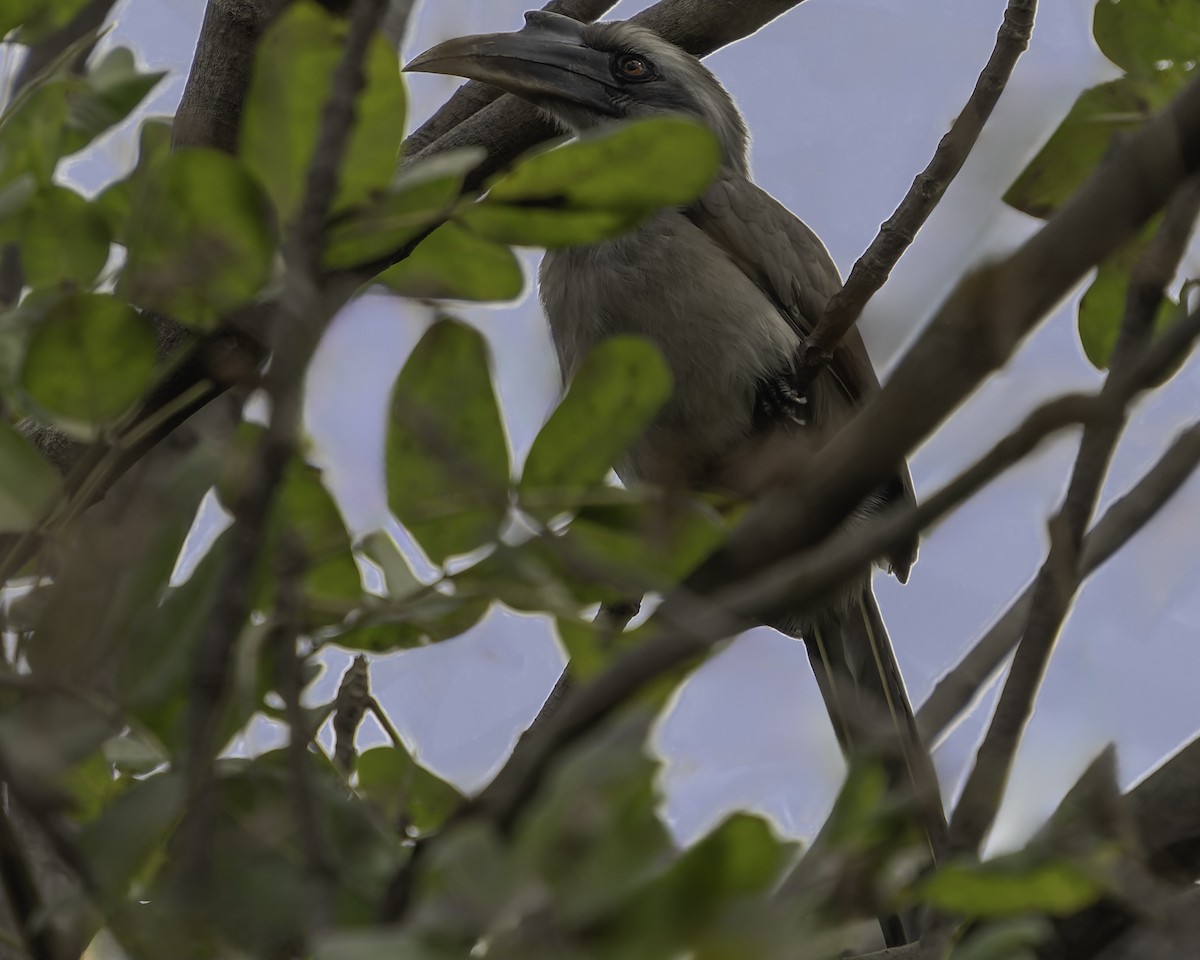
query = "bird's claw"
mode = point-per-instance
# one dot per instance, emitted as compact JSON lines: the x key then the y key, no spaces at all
{"x":779,"y":401}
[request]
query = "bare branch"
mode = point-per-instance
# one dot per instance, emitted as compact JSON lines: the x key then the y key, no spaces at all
{"x":973,"y":334}
{"x":349,"y":707}
{"x":1060,"y":575}
{"x":897,"y":233}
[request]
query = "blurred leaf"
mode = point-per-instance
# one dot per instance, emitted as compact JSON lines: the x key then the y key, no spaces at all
{"x":1084,"y":136}
{"x":447,"y":454}
{"x":93,"y":787}
{"x":593,"y":835}
{"x":308,"y":510}
{"x":125,"y":836}
{"x":63,"y":113}
{"x":28,"y":484}
{"x":1144,"y":36}
{"x":15,"y":194}
{"x":454,"y":264}
{"x":1102,"y":307}
{"x":418,"y":197}
{"x":114,"y":88}
{"x":611,"y":400}
{"x":89,"y":359}
{"x":133,"y":753}
{"x":201,"y":240}
{"x":597,"y":186}
{"x":36,"y":18}
{"x":382,"y":550}
{"x":402,"y":788}
{"x":378,"y":944}
{"x":1014,"y":884}
{"x":289,"y":88}
{"x":154,"y":675}
{"x":1004,"y":940}
{"x":63,"y":239}
{"x":426,"y":618}
{"x":115,"y":202}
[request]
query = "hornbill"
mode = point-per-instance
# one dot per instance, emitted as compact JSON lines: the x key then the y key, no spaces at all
{"x":726,"y":288}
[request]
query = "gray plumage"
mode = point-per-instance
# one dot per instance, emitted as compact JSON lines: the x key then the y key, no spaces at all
{"x":726,"y":288}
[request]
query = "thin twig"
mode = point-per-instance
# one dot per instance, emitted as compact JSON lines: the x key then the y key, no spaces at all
{"x":955,"y":692}
{"x":349,"y":707}
{"x":305,"y":310}
{"x":1060,"y":575}
{"x":898,"y":231}
{"x":320,"y":866}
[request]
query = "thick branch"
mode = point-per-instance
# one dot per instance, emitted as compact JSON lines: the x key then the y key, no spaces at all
{"x":898,"y":232}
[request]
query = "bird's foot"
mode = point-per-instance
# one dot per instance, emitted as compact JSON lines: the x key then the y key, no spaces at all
{"x":780,"y":402}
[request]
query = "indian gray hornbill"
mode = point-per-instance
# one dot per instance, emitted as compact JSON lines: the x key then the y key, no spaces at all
{"x":726,"y":288}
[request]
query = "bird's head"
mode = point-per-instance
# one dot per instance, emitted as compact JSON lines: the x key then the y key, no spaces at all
{"x":585,"y":75}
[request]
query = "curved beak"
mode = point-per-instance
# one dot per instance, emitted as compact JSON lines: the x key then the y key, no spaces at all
{"x":546,"y":60}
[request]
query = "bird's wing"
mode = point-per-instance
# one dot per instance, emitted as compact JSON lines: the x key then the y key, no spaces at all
{"x":787,"y":261}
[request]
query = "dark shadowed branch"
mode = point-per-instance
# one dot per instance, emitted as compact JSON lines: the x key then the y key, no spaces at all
{"x":927,"y":190}
{"x":21,"y":895}
{"x":1060,"y":576}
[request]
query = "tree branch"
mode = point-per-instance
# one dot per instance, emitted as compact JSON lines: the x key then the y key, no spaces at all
{"x":1060,"y":575}
{"x":304,"y":311}
{"x":897,"y":233}
{"x":22,"y":896}
{"x":974,"y":333}
{"x":958,"y":688}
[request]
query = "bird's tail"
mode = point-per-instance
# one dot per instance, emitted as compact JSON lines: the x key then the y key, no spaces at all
{"x":856,"y":669}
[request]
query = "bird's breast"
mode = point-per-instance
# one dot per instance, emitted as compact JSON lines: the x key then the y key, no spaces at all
{"x":719,"y":334}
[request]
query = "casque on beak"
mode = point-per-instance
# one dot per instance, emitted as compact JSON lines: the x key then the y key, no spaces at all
{"x":545,"y":61}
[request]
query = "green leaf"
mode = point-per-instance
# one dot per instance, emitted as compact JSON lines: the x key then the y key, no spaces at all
{"x":36,"y":18}
{"x":307,"y":509}
{"x":402,"y":788}
{"x":115,"y":202}
{"x":62,"y":113}
{"x":454,"y":264}
{"x":201,"y":241}
{"x":428,"y":618}
{"x":418,"y":197}
{"x":63,"y":239}
{"x":1019,"y":883}
{"x":612,"y":398}
{"x":89,"y":359}
{"x":289,"y":87}
{"x":1083,"y":138}
{"x":382,"y":550}
{"x":1004,"y":940}
{"x":1144,"y":36}
{"x":123,"y":838}
{"x":593,"y":835}
{"x":28,"y":484}
{"x":591,"y":189}
{"x":1102,"y":309}
{"x":114,"y":88}
{"x":447,"y":454}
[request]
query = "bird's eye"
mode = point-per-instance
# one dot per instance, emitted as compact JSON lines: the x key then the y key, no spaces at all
{"x":630,"y":67}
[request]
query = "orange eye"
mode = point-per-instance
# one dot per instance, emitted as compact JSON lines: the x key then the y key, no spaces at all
{"x":634,"y":68}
